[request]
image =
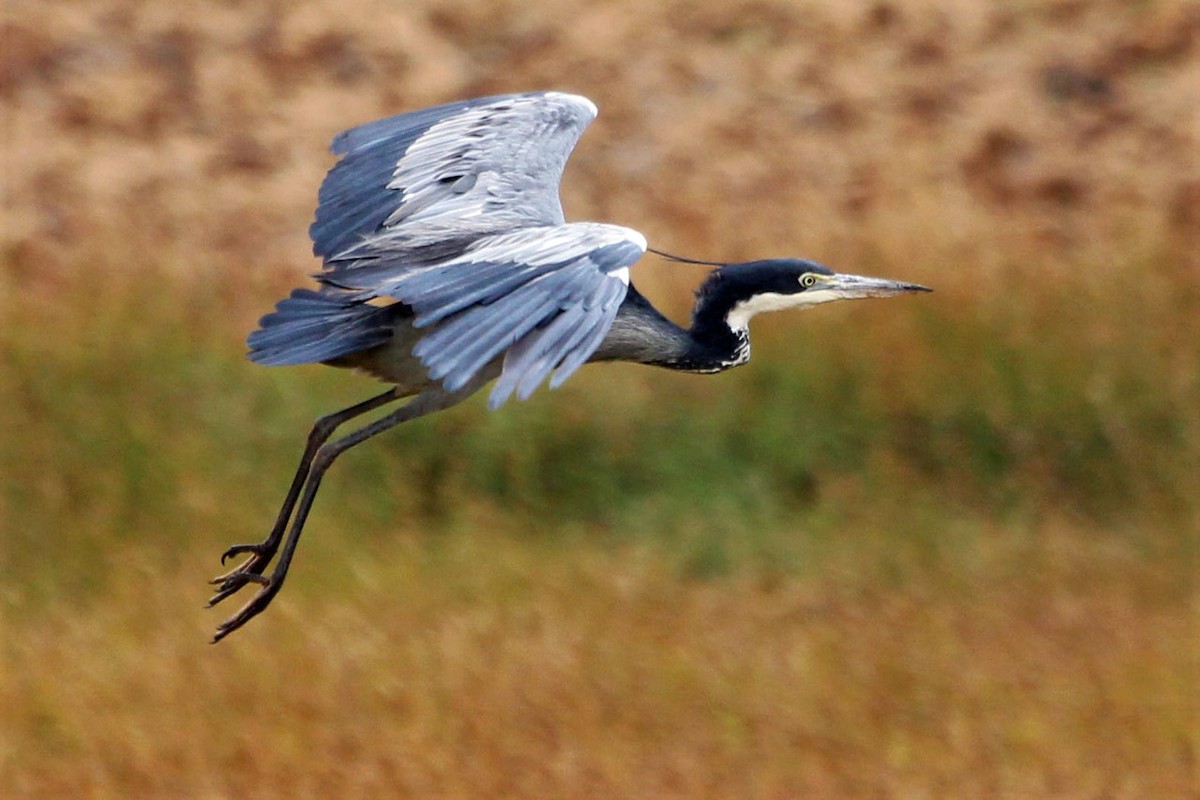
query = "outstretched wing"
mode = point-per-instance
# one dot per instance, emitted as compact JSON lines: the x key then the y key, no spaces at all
{"x":436,"y":179}
{"x":544,"y":297}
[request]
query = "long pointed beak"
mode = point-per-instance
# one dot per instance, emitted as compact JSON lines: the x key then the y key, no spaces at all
{"x":849,"y":287}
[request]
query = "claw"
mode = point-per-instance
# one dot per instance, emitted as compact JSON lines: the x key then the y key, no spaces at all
{"x":238,"y":549}
{"x":261,"y":555}
{"x":249,"y":571}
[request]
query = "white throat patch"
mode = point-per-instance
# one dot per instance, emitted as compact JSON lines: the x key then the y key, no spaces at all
{"x":738,"y":318}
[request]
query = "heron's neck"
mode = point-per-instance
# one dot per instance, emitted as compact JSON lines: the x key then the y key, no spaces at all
{"x":640,"y":333}
{"x":720,"y":338}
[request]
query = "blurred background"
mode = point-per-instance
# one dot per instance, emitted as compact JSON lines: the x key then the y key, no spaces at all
{"x":939,"y":546}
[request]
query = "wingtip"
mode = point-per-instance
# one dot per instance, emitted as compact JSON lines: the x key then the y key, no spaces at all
{"x":578,"y":99}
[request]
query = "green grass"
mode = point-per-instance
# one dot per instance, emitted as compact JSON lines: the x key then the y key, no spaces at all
{"x":123,"y":415}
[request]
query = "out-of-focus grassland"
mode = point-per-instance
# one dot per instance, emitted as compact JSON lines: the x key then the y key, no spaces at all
{"x":941,"y":546}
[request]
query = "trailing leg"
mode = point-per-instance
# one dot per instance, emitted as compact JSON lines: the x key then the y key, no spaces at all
{"x":262,"y":552}
{"x":425,"y":403}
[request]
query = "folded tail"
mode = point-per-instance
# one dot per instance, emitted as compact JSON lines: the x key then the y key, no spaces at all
{"x":309,"y":327}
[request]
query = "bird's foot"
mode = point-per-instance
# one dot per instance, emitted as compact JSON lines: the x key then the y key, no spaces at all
{"x":268,"y":588}
{"x":260,"y":555}
{"x":249,"y":571}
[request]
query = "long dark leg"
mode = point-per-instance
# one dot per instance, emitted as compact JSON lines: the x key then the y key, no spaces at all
{"x":262,"y":552}
{"x":426,"y":403}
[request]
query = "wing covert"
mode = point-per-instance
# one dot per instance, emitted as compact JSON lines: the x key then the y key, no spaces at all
{"x":450,"y":173}
{"x":543,"y":297}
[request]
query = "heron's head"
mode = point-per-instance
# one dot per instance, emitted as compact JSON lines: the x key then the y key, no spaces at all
{"x":736,"y":292}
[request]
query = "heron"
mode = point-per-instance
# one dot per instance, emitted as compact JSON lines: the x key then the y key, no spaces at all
{"x":448,"y":264}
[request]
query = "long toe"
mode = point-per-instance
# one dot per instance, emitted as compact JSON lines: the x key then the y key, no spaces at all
{"x":249,"y":611}
{"x":252,"y":567}
{"x":234,"y":582}
{"x":220,"y":595}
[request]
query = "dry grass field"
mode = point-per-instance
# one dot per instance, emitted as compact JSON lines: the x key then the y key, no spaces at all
{"x":940,"y":546}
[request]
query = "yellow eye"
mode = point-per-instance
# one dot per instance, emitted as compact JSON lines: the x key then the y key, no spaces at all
{"x":808,"y":280}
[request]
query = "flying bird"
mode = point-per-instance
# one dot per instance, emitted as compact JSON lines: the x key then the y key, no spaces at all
{"x":447,"y":265}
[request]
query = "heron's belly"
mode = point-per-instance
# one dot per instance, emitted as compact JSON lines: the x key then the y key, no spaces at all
{"x":394,"y":362}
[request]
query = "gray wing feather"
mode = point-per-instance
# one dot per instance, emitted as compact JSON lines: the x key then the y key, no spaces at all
{"x":564,"y":344}
{"x":545,"y":297}
{"x":353,"y":202}
{"x":447,"y":175}
{"x":461,"y":345}
{"x":496,"y":326}
{"x":579,"y":352}
{"x":481,"y":284}
{"x":468,"y":346}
